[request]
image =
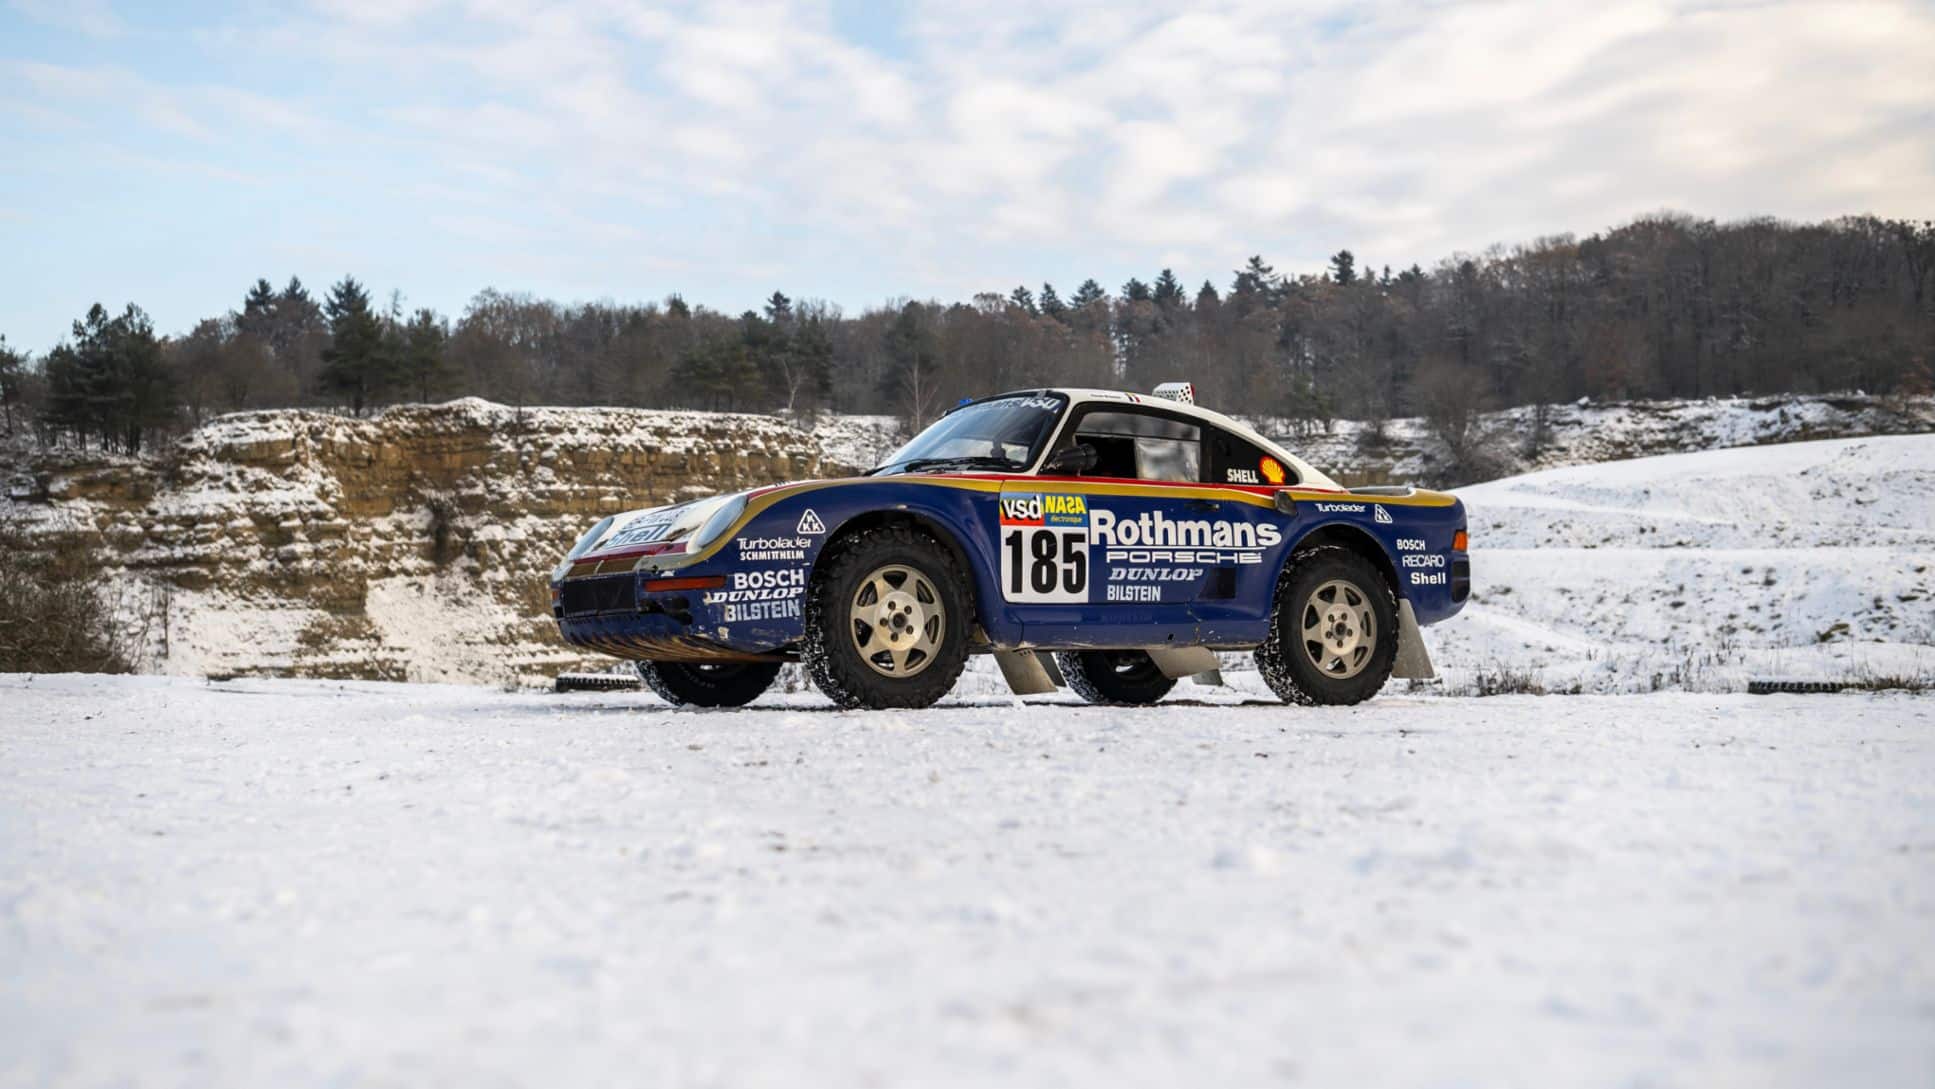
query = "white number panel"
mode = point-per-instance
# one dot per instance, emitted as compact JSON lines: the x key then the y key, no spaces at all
{"x":1044,"y":549}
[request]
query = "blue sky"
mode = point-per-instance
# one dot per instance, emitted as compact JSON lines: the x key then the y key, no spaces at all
{"x":170,"y":154}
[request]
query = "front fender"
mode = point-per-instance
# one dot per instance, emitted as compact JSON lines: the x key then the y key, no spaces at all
{"x":767,"y":560}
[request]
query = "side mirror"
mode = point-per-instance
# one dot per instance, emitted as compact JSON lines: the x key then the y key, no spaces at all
{"x":1071,"y":460}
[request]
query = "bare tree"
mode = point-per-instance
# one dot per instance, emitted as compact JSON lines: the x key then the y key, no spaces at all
{"x":1452,"y":399}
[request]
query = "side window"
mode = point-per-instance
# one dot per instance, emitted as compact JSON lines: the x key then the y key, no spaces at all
{"x":1142,"y":445}
{"x":1234,"y":460}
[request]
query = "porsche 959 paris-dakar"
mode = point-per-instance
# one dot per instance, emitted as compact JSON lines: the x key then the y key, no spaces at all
{"x":1103,"y":541}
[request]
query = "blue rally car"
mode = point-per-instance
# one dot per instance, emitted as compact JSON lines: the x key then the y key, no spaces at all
{"x":1110,"y":542}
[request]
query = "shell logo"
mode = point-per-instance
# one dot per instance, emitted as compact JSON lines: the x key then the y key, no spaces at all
{"x":1271,"y":469}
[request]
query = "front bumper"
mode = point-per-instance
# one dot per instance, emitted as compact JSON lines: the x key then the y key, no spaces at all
{"x":654,"y":637}
{"x":682,"y":618}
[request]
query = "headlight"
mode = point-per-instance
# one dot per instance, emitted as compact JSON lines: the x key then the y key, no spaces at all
{"x":590,"y":538}
{"x":584,"y":545}
{"x":721,"y":520}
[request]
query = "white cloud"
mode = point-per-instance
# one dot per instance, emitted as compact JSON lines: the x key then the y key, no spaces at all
{"x":1103,"y":135}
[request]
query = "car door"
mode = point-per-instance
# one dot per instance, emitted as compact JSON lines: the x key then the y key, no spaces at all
{"x":1238,"y":591}
{"x":1095,"y":559}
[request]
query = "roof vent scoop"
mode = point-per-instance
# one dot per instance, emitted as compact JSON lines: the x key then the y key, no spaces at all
{"x":1177,"y":391}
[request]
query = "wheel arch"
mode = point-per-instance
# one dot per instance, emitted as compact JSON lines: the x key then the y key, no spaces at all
{"x":921,"y":520}
{"x":1354,"y":538}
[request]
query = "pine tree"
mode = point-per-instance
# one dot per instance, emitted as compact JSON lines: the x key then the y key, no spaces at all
{"x":1021,"y":298}
{"x":296,"y":314}
{"x":112,"y":381}
{"x":13,"y":381}
{"x":1051,"y":303}
{"x":1088,"y":295}
{"x":1255,"y":280}
{"x":1135,"y":291}
{"x":779,"y":310}
{"x":1206,"y":295}
{"x":1343,"y":268}
{"x":912,"y":381}
{"x":714,"y":372}
{"x":809,"y":369}
{"x":356,"y":364}
{"x":258,"y":312}
{"x":675,"y":306}
{"x":768,"y":348}
{"x":421,"y":354}
{"x":1168,"y":292}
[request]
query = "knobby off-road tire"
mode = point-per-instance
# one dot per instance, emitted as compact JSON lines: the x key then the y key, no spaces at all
{"x":887,"y":618}
{"x":1333,"y":633}
{"x":1114,"y":676}
{"x":708,"y":684}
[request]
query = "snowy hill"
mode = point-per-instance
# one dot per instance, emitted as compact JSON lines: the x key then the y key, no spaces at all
{"x":1807,"y":560}
{"x":1532,"y":437}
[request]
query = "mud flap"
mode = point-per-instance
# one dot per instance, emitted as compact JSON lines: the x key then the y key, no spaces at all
{"x":1023,"y":671}
{"x":1413,"y":661}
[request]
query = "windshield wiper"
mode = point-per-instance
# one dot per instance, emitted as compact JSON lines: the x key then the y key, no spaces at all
{"x":969,"y":461}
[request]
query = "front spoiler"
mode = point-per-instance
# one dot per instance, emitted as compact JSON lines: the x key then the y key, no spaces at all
{"x":653,"y":637}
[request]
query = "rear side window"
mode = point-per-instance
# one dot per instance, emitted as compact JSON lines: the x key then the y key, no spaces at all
{"x":1234,"y":460}
{"x":1142,"y":446}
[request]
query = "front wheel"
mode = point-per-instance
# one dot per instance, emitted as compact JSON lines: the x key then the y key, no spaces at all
{"x":887,"y":620}
{"x":1114,"y":676}
{"x":708,"y":684}
{"x":1333,"y":636}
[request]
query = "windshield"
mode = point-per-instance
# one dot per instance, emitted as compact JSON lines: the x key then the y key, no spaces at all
{"x":1004,"y":433}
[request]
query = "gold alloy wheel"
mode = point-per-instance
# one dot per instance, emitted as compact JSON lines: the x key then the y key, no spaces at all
{"x":1339,"y":629}
{"x":897,"y":621}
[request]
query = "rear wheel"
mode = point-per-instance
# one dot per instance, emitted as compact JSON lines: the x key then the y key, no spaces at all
{"x":708,"y":684}
{"x":887,"y":620}
{"x":1114,"y":676}
{"x":1333,"y":637}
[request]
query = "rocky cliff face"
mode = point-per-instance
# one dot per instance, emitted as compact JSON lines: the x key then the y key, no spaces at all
{"x":413,"y":545}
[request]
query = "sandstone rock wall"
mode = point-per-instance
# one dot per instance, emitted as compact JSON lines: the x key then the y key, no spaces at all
{"x":414,"y":544}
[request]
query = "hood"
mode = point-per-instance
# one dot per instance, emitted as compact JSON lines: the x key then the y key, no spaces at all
{"x":657,"y":529}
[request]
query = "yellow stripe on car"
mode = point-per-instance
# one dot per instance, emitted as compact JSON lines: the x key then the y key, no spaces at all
{"x":761,"y":502}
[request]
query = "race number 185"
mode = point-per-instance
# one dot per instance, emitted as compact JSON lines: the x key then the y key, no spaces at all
{"x":1044,"y":563}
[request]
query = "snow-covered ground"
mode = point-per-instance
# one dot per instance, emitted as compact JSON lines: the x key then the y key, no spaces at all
{"x":301,"y":883}
{"x":1811,"y":560}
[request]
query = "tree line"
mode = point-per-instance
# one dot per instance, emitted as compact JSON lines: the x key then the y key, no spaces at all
{"x":1666,"y":306}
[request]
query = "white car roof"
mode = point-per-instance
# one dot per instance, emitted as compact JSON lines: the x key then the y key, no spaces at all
{"x":1306,"y":473}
